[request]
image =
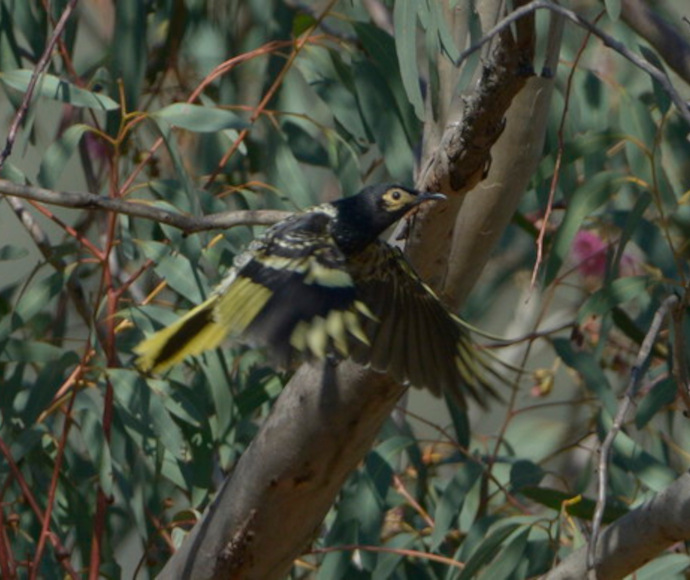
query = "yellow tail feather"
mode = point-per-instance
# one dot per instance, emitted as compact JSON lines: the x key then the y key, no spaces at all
{"x":192,"y":334}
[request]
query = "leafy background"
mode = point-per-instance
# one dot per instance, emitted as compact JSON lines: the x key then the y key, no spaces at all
{"x":201,"y":107}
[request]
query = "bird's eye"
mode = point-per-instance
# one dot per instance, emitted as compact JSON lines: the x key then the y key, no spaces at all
{"x":396,"y":195}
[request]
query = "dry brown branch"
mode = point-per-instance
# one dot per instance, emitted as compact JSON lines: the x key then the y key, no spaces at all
{"x":187,"y":223}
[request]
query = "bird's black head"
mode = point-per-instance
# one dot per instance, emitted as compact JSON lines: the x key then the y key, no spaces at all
{"x":391,"y":202}
{"x":363,"y":217}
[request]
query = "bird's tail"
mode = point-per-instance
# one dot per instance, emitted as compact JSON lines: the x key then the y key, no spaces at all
{"x":195,"y":332}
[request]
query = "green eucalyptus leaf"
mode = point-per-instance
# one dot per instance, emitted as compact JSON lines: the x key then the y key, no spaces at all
{"x":36,"y":298}
{"x":383,"y":120}
{"x":332,"y":80}
{"x":661,"y":96}
{"x":289,"y":176}
{"x":452,"y":500}
{"x":440,"y":26}
{"x":585,"y":363}
{"x":382,"y":56}
{"x":130,"y":53}
{"x":49,"y":380}
{"x":525,"y":473}
{"x":388,"y":562}
{"x":10,"y":51}
{"x":12,"y":173}
{"x":58,"y":154}
{"x":627,"y":453}
{"x":615,"y":293}
{"x":613,"y":9}
{"x":573,"y":504}
{"x":147,"y":413}
{"x":181,"y":276}
{"x":52,"y":87}
{"x":659,"y":397}
{"x":508,"y":559}
{"x":29,"y":351}
{"x":485,"y":551}
{"x":199,"y":119}
{"x":183,"y":176}
{"x":11,"y":252}
{"x":27,"y":441}
{"x":405,"y":23}
{"x":666,"y":566}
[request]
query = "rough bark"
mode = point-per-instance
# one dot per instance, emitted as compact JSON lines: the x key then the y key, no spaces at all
{"x":463,"y":155}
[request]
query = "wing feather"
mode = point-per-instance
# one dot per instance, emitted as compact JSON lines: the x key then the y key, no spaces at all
{"x":416,"y":339}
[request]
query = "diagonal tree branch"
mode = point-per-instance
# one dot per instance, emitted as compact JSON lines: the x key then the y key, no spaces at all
{"x":38,"y":71}
{"x":463,"y":156}
{"x":636,"y":538}
{"x":327,"y":417}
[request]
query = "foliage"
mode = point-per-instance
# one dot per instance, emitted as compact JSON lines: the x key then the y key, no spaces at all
{"x":204,"y":107}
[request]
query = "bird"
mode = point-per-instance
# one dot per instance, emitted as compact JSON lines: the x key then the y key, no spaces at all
{"x":322,"y":285}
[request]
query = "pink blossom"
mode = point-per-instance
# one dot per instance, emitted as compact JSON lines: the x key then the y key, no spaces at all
{"x":589,"y":251}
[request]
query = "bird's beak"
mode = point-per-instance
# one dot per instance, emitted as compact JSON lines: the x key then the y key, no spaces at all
{"x":429,"y":196}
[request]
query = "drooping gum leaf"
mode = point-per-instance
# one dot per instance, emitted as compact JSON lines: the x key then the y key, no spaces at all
{"x":199,"y":119}
{"x":405,"y":23}
{"x":617,"y":292}
{"x":58,"y":154}
{"x":58,"y":89}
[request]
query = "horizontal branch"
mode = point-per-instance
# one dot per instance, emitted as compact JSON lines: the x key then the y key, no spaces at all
{"x":187,"y":223}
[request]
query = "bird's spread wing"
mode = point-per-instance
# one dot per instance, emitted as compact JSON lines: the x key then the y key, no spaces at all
{"x":292,"y":293}
{"x":415,"y":338}
{"x":295,"y":292}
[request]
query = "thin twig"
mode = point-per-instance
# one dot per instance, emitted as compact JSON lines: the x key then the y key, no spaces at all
{"x":31,"y":500}
{"x":387,"y":550}
{"x":559,"y":158}
{"x":38,"y":71}
{"x":680,"y":361}
{"x":402,"y":490}
{"x":300,"y":43}
{"x":658,"y":75}
{"x":44,"y":246}
{"x":8,"y":567}
{"x":52,"y":489}
{"x":217,"y":72}
{"x":187,"y":223}
{"x":604,"y":452}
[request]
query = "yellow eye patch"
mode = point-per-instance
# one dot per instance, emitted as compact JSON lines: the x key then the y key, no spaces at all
{"x":397,"y":198}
